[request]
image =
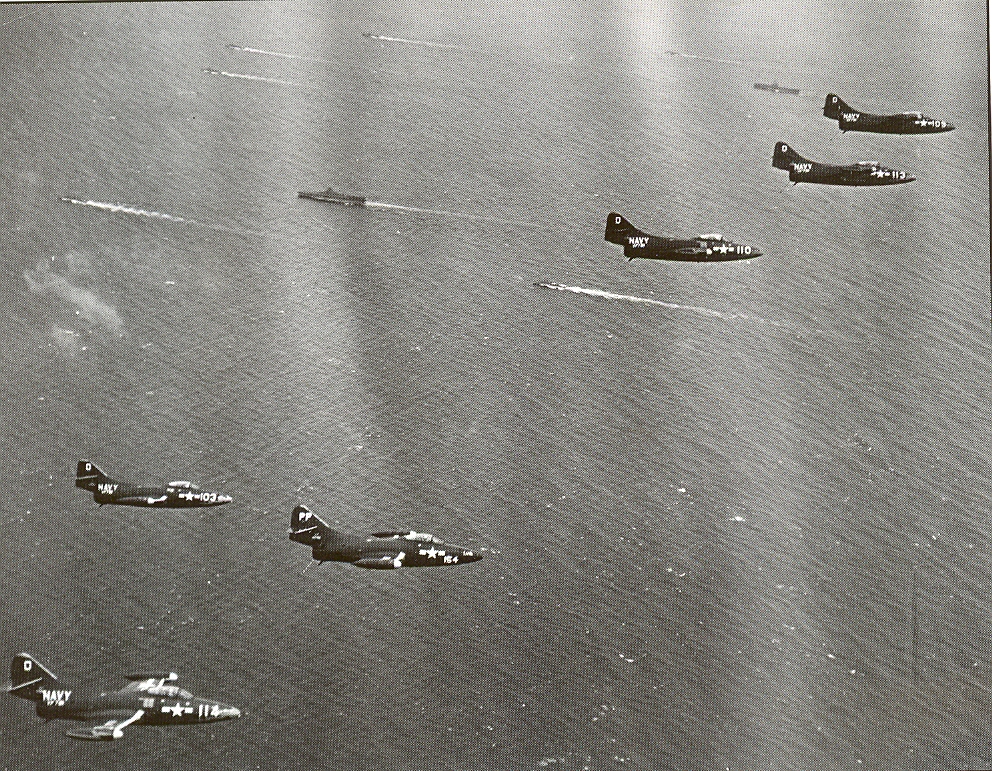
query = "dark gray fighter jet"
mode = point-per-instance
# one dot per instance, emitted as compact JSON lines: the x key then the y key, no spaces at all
{"x":175,"y":495}
{"x":145,"y":700}
{"x":849,"y":119}
{"x":703,"y":248}
{"x":864,"y":173}
{"x":383,"y":551}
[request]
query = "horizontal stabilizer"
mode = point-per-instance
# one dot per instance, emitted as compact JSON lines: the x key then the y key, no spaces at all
{"x":94,"y":734}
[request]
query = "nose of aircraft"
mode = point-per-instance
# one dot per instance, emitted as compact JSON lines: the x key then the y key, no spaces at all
{"x":470,"y":555}
{"x":224,"y":712}
{"x":756,"y":252}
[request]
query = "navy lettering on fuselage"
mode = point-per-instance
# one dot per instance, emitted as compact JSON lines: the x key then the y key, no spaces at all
{"x":55,"y":698}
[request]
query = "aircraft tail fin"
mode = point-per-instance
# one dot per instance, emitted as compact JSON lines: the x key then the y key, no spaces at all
{"x":28,"y":676}
{"x":88,"y":476}
{"x":306,"y":527}
{"x":834,"y":106}
{"x":785,"y":156}
{"x":618,"y":229}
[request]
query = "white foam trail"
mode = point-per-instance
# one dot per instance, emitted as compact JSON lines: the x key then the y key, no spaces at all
{"x":119,"y":208}
{"x":8,"y":23}
{"x":279,"y":54}
{"x":440,"y":212}
{"x":426,"y":43}
{"x":250,"y":77}
{"x":647,"y":301}
{"x":718,"y":61}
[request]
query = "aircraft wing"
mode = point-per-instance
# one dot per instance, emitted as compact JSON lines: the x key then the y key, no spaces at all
{"x":410,"y":535}
{"x":144,"y":681}
{"x":690,"y":251}
{"x":112,"y":729}
{"x":385,"y":562}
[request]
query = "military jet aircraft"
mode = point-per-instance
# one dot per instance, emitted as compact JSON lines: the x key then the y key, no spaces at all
{"x":383,"y":551}
{"x":849,"y":119}
{"x":175,"y":495}
{"x":145,"y":700}
{"x":703,"y":248}
{"x":864,"y":173}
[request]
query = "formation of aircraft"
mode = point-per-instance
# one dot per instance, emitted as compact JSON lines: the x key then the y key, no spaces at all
{"x":702,"y":248}
{"x":714,"y":248}
{"x":174,"y":495}
{"x":147,"y":699}
{"x":151,"y":698}
{"x":849,"y":119}
{"x":380,"y":551}
{"x":863,"y":173}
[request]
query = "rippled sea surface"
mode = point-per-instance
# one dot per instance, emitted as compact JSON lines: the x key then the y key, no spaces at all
{"x":737,"y":515}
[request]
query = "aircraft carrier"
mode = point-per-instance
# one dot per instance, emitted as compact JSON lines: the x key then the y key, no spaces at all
{"x":776,"y":88}
{"x":332,"y":197}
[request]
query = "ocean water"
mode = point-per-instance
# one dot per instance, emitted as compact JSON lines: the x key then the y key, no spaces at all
{"x":711,"y":495}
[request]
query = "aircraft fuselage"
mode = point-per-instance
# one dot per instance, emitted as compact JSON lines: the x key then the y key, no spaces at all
{"x":382,"y":551}
{"x":849,"y":119}
{"x":396,"y":551}
{"x":859,"y":174}
{"x":174,"y":495}
{"x":172,"y":706}
{"x":691,"y":250}
{"x":703,"y":248}
{"x":146,"y":700}
{"x":168,"y":496}
{"x":854,"y":175}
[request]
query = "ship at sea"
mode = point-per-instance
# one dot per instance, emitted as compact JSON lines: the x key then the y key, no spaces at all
{"x":776,"y":88}
{"x":332,"y":197}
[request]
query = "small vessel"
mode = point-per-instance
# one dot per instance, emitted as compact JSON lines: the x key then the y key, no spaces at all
{"x":776,"y":88}
{"x":332,"y":197}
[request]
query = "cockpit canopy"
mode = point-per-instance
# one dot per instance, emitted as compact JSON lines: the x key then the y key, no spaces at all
{"x":409,"y":535}
{"x":183,"y":484}
{"x":868,"y":164}
{"x":427,"y":537}
{"x":169,"y":692}
{"x":913,"y":114}
{"x":710,"y":237}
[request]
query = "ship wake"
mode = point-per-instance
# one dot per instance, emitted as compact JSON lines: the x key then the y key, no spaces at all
{"x":735,"y":62}
{"x":251,"y":77}
{"x":278,"y":54}
{"x":698,"y":309}
{"x":118,"y":208}
{"x":425,"y":43}
{"x":442,"y":213}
